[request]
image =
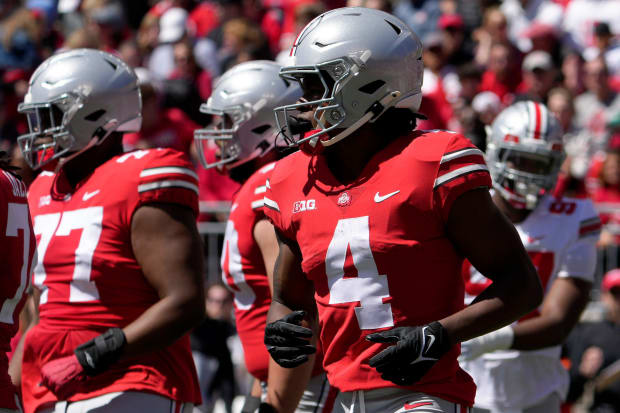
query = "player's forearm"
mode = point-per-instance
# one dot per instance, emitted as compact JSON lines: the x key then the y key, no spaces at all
{"x":277,"y":310}
{"x":163,"y":323}
{"x":560,"y":313}
{"x":503,"y":302}
{"x":285,"y":386}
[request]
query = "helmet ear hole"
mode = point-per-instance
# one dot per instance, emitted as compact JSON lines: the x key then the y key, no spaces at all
{"x":372,"y":87}
{"x":94,"y":116}
{"x":259,"y":130}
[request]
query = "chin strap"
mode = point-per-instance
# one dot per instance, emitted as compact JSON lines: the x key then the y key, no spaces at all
{"x":520,"y":202}
{"x":374,"y":112}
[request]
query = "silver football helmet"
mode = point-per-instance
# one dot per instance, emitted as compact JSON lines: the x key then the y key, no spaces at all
{"x":242,"y":104}
{"x":353,"y":63}
{"x":76,"y":96}
{"x":524,"y":153}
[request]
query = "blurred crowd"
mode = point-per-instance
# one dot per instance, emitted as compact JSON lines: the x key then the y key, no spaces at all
{"x":479,"y":55}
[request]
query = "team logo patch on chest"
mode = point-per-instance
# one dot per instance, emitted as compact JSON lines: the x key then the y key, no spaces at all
{"x":305,"y":205}
{"x":344,"y":199}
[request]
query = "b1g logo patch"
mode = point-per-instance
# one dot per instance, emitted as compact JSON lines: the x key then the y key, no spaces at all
{"x":306,"y":205}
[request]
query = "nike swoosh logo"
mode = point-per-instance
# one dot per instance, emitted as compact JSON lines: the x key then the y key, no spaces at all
{"x":416,"y":405}
{"x":431,"y":340}
{"x":534,"y":239}
{"x":381,"y":198}
{"x":89,"y":195}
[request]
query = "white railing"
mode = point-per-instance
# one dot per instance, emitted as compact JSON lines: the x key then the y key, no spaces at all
{"x":213,"y":233}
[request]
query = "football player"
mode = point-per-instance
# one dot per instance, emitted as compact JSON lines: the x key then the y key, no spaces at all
{"x":373,"y":221}
{"x":245,"y":131}
{"x":119,"y":277}
{"x":19,"y":257}
{"x":517,"y":368}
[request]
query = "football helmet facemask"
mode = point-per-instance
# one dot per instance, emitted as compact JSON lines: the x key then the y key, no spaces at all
{"x":353,"y":64}
{"x":524,"y":153}
{"x":76,"y":96}
{"x":242,"y":106}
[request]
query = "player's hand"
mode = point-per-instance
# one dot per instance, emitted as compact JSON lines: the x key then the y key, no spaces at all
{"x":496,"y":340}
{"x":63,"y":376}
{"x":287,"y":341}
{"x":416,"y":350}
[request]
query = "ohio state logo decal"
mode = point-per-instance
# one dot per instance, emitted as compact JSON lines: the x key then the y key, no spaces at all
{"x":344,"y":199}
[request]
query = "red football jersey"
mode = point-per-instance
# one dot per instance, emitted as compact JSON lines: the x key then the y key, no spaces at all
{"x":90,"y":280}
{"x":377,"y":250}
{"x":18,"y":246}
{"x":243,"y":270}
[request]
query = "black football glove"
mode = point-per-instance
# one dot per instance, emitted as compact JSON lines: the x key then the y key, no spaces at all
{"x":416,"y":350}
{"x":287,"y":341}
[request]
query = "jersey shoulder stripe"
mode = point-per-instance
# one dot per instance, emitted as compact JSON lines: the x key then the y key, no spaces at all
{"x":165,"y":170}
{"x":451,"y":175}
{"x":168,"y":183}
{"x":589,"y":227}
{"x":271,"y":204}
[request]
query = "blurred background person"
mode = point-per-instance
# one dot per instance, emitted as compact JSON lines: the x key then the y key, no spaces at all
{"x":211,"y":351}
{"x":593,"y":346}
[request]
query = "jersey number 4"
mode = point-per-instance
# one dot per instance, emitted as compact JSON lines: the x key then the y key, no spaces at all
{"x":89,"y":221}
{"x":369,"y":288}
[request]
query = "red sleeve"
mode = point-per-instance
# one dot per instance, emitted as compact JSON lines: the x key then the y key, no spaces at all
{"x":461,"y":169}
{"x":272,"y":210}
{"x":167,"y":176}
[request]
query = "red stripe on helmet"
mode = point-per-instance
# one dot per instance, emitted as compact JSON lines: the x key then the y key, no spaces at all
{"x":538,"y":121}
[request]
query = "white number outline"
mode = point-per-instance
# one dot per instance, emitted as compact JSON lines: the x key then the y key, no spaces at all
{"x":90,"y":221}
{"x":18,"y":218}
{"x":244,"y":296}
{"x":369,"y":287}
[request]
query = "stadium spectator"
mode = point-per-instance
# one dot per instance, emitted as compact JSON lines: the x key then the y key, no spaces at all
{"x":501,"y":76}
{"x":581,"y":18}
{"x":493,"y":30}
{"x":522,"y":14}
{"x":593,"y":346}
{"x":20,"y":36}
{"x":421,"y":14}
{"x":209,"y":342}
{"x":161,"y":127}
{"x":188,"y":84}
{"x":572,"y":71}
{"x":595,"y":107}
{"x":107,"y":19}
{"x":342,"y":272}
{"x":539,"y":76}
{"x":606,"y":193}
{"x":456,"y":50}
{"x":606,"y":45}
{"x":172,"y":28}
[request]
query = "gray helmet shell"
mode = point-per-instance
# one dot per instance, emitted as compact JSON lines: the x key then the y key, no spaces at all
{"x":74,"y":96}
{"x":374,"y":62}
{"x":244,"y":98}
{"x":527,"y":128}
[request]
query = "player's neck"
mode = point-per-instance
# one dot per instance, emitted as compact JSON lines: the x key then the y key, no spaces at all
{"x":80,"y":166}
{"x":515,"y":215}
{"x":348,"y":158}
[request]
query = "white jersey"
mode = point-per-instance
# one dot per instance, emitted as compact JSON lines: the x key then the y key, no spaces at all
{"x":560,"y":237}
